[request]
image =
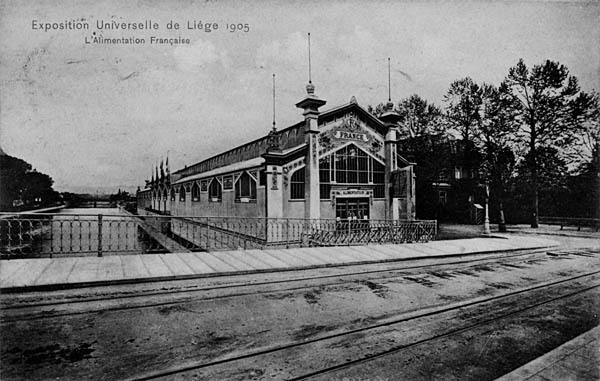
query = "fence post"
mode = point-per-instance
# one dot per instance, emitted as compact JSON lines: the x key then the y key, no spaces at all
{"x":287,"y":233}
{"x":99,"y":235}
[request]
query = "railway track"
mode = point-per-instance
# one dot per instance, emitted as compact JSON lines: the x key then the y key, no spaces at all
{"x":509,"y":301}
{"x":28,"y":310}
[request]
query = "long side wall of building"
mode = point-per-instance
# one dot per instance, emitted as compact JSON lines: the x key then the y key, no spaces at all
{"x":227,"y":207}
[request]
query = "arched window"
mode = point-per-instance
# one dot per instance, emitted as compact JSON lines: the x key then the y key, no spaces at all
{"x":297,"y":185}
{"x":351,"y":165}
{"x":245,"y":187}
{"x":172,"y":194}
{"x":165,"y":194}
{"x":181,"y":193}
{"x":214,"y":191}
{"x":195,"y":192}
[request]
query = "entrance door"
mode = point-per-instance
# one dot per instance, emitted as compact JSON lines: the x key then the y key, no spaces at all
{"x":352,"y":208}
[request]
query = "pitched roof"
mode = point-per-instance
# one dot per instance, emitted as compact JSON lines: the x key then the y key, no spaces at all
{"x":262,"y":143}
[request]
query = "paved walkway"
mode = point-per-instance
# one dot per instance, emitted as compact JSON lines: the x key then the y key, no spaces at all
{"x":463,"y":230}
{"x":47,"y":273}
{"x":575,"y":360}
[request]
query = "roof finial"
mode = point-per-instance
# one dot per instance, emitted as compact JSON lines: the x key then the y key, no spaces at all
{"x":389,"y":82}
{"x":274,"y":128}
{"x":310,"y":88}
{"x":309,"y":67}
{"x":389,"y":106}
{"x":273,"y":137}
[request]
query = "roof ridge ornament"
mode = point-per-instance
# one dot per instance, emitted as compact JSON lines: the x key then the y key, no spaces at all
{"x":389,"y":106}
{"x":390,"y":117}
{"x":273,"y":137}
{"x":310,"y":88}
{"x":311,"y":102}
{"x":274,"y":128}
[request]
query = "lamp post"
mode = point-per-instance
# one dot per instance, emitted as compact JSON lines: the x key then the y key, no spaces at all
{"x":486,"y":222}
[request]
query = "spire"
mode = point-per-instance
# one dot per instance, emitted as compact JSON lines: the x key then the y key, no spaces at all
{"x":389,"y":106}
{"x":309,"y":67}
{"x":274,"y":128}
{"x":311,"y":102}
{"x":310,"y":88}
{"x":273,"y":138}
{"x":390,"y":117}
{"x":389,"y":81}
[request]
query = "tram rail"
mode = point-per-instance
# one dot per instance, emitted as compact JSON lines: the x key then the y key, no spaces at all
{"x":24,"y":309}
{"x":402,"y":318}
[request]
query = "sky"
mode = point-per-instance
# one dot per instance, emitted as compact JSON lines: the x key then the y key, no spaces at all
{"x":101,"y":117}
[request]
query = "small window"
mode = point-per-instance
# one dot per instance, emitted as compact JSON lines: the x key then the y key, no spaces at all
{"x":457,"y":174}
{"x":181,"y":193}
{"x":214,"y":191}
{"x":297,"y":185}
{"x":442,"y":197}
{"x":172,"y":194}
{"x":245,"y":187}
{"x":443,"y":175}
{"x":195,"y":192}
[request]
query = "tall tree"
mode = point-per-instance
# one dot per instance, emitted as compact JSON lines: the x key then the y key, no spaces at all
{"x":550,"y":109}
{"x":495,"y":134}
{"x":463,"y":104}
{"x":425,"y":142}
{"x":420,"y":117}
{"x":589,"y":147}
{"x":417,"y":115}
{"x":587,"y":114}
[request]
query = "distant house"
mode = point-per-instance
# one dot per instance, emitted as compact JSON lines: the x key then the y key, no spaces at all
{"x":447,"y":182}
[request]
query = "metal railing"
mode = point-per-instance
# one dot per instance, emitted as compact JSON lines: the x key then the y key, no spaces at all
{"x":49,"y":234}
{"x":579,"y":222}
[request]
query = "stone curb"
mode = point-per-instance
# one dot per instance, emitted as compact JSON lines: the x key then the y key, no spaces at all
{"x":532,"y":368}
{"x":113,"y":282}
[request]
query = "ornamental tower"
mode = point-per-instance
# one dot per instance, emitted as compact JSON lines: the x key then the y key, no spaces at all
{"x":310,"y":104}
{"x":390,"y":119}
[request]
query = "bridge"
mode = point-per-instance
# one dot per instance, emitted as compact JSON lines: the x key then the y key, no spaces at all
{"x":119,"y":232}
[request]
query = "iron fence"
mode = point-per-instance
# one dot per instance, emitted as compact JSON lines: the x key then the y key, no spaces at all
{"x":50,"y":234}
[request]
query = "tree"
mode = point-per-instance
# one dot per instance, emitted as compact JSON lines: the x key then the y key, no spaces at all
{"x":420,"y":117}
{"x":495,"y":134}
{"x":12,"y":171}
{"x":463,"y":104}
{"x":550,"y":111}
{"x":552,"y":180}
{"x":587,"y":147}
{"x":20,"y":184}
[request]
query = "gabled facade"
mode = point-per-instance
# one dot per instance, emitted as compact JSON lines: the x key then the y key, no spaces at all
{"x":339,"y":164}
